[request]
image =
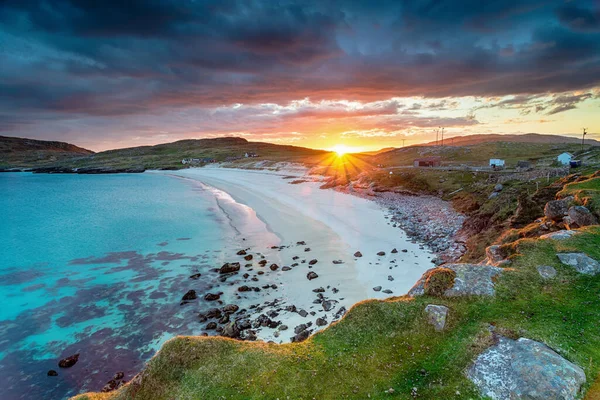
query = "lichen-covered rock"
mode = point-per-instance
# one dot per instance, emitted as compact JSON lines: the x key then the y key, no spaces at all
{"x":494,"y":255}
{"x":581,"y":262}
{"x":436,"y":316}
{"x":438,"y":281}
{"x":470,"y":280}
{"x":559,"y":235}
{"x":579,"y":216}
{"x":525,"y":369}
{"x":546,"y":271}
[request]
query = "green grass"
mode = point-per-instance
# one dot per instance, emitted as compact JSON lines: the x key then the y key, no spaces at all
{"x":388,"y":344}
{"x":586,"y":192}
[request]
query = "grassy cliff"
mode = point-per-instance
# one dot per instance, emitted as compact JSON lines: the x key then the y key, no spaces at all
{"x":386,"y":349}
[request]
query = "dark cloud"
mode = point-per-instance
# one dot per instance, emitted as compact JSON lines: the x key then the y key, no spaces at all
{"x":82,"y":58}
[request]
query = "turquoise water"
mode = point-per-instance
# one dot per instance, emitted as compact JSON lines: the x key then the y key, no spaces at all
{"x":97,"y":265}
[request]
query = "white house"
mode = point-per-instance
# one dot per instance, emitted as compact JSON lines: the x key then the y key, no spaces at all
{"x":565,"y":158}
{"x":496,"y":163}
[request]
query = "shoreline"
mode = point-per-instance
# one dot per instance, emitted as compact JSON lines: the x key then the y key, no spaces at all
{"x":331,"y":226}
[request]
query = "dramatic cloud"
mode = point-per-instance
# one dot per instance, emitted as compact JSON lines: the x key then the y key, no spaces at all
{"x":305,"y":67}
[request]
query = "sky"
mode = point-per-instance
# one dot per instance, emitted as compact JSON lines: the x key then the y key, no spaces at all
{"x":365,"y":74}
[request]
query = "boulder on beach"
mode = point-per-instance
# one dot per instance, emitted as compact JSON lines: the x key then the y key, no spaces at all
{"x":469,"y":280}
{"x":311,"y":275}
{"x":525,"y":369}
{"x":581,"y":262}
{"x":68,"y":362}
{"x":229,"y":268}
{"x":436,"y":316}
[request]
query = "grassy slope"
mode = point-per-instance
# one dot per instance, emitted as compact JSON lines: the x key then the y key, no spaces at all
{"x":169,"y":155}
{"x":20,"y":152}
{"x":586,"y":192}
{"x":388,"y":344}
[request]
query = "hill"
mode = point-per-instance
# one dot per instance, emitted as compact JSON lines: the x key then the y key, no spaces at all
{"x":525,"y":138}
{"x":198,"y":151}
{"x":21,"y":152}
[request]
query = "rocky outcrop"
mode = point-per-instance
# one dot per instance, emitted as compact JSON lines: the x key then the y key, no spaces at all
{"x":470,"y":280}
{"x":559,"y":235}
{"x":581,"y":262}
{"x":495,"y":255}
{"x":578,"y":217}
{"x":311,"y":275}
{"x":436,"y":316}
{"x":229,"y":268}
{"x":525,"y":369}
{"x":556,"y":210}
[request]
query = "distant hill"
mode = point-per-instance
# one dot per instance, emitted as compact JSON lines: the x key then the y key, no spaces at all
{"x":170,"y":156}
{"x":524,"y":138}
{"x":375,"y":152}
{"x":21,"y":152}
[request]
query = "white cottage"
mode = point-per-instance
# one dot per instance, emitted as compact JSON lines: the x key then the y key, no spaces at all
{"x":496,"y":163}
{"x":565,"y":158}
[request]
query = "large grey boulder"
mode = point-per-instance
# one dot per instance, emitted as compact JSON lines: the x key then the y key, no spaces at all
{"x":525,"y":369}
{"x":436,"y":316}
{"x":470,"y":280}
{"x":559,"y":235}
{"x":578,"y":217}
{"x":557,"y":209}
{"x":581,"y":262}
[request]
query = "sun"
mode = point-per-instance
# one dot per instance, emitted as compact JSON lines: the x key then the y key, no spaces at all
{"x":340,"y":149}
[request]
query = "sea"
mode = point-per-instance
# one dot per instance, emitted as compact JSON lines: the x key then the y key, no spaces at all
{"x":96,"y":265}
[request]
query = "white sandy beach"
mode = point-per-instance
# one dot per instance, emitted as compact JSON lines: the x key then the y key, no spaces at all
{"x":268,"y":211}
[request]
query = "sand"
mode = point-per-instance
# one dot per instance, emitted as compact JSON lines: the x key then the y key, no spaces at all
{"x":266,"y":210}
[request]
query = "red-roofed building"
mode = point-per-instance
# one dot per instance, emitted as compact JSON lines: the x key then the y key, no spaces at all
{"x":427,"y":162}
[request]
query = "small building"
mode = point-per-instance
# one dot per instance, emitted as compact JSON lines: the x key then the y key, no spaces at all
{"x":565,"y":158}
{"x":496,"y":163}
{"x":575,"y":163}
{"x":427,"y":162}
{"x":248,"y":155}
{"x":522,"y":164}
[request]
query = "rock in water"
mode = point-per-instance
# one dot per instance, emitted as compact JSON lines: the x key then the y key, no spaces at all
{"x":381,"y":253}
{"x":358,"y":254}
{"x":312,"y":262}
{"x":525,"y":369}
{"x":52,"y":373}
{"x":546,"y":271}
{"x":579,"y":216}
{"x":228,"y":268}
{"x":581,"y":262}
{"x":212,"y":296}
{"x":69,"y":361}
{"x":436,"y":316}
{"x":190,"y":295}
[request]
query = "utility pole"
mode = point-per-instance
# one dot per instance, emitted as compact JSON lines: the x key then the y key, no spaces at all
{"x":437,"y":131}
{"x":583,"y":138}
{"x":442,"y":137}
{"x":403,"y":142}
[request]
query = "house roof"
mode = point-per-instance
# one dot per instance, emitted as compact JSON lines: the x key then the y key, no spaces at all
{"x":567,"y":153}
{"x":437,"y":158}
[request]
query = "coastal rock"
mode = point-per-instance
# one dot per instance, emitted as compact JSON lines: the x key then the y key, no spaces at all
{"x":358,"y":254}
{"x":230,"y":308}
{"x":311,"y":275}
{"x":377,"y":288}
{"x":302,"y":336}
{"x":579,"y":216}
{"x":525,"y":369}
{"x":559,"y":235}
{"x":274,"y":267}
{"x":241,"y":253}
{"x":555,"y":210}
{"x":248,"y":257}
{"x":394,"y":250}
{"x":581,"y":262}
{"x":229,"y":268}
{"x":321,"y":322}
{"x":244,"y":288}
{"x":213,"y":313}
{"x":212,"y":296}
{"x":340,"y":313}
{"x":381,"y":253}
{"x":546,"y":271}
{"x":387,"y":291}
{"x":470,"y":280}
{"x":68,"y":362}
{"x":328,"y":305}
{"x":195,"y":276}
{"x":436,"y":316}
{"x":319,"y":290}
{"x":313,"y":262}
{"x":286,"y":269}
{"x":52,"y":373}
{"x":211,"y":326}
{"x":337,"y":262}
{"x":190,"y":295}
{"x":262,"y":263}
